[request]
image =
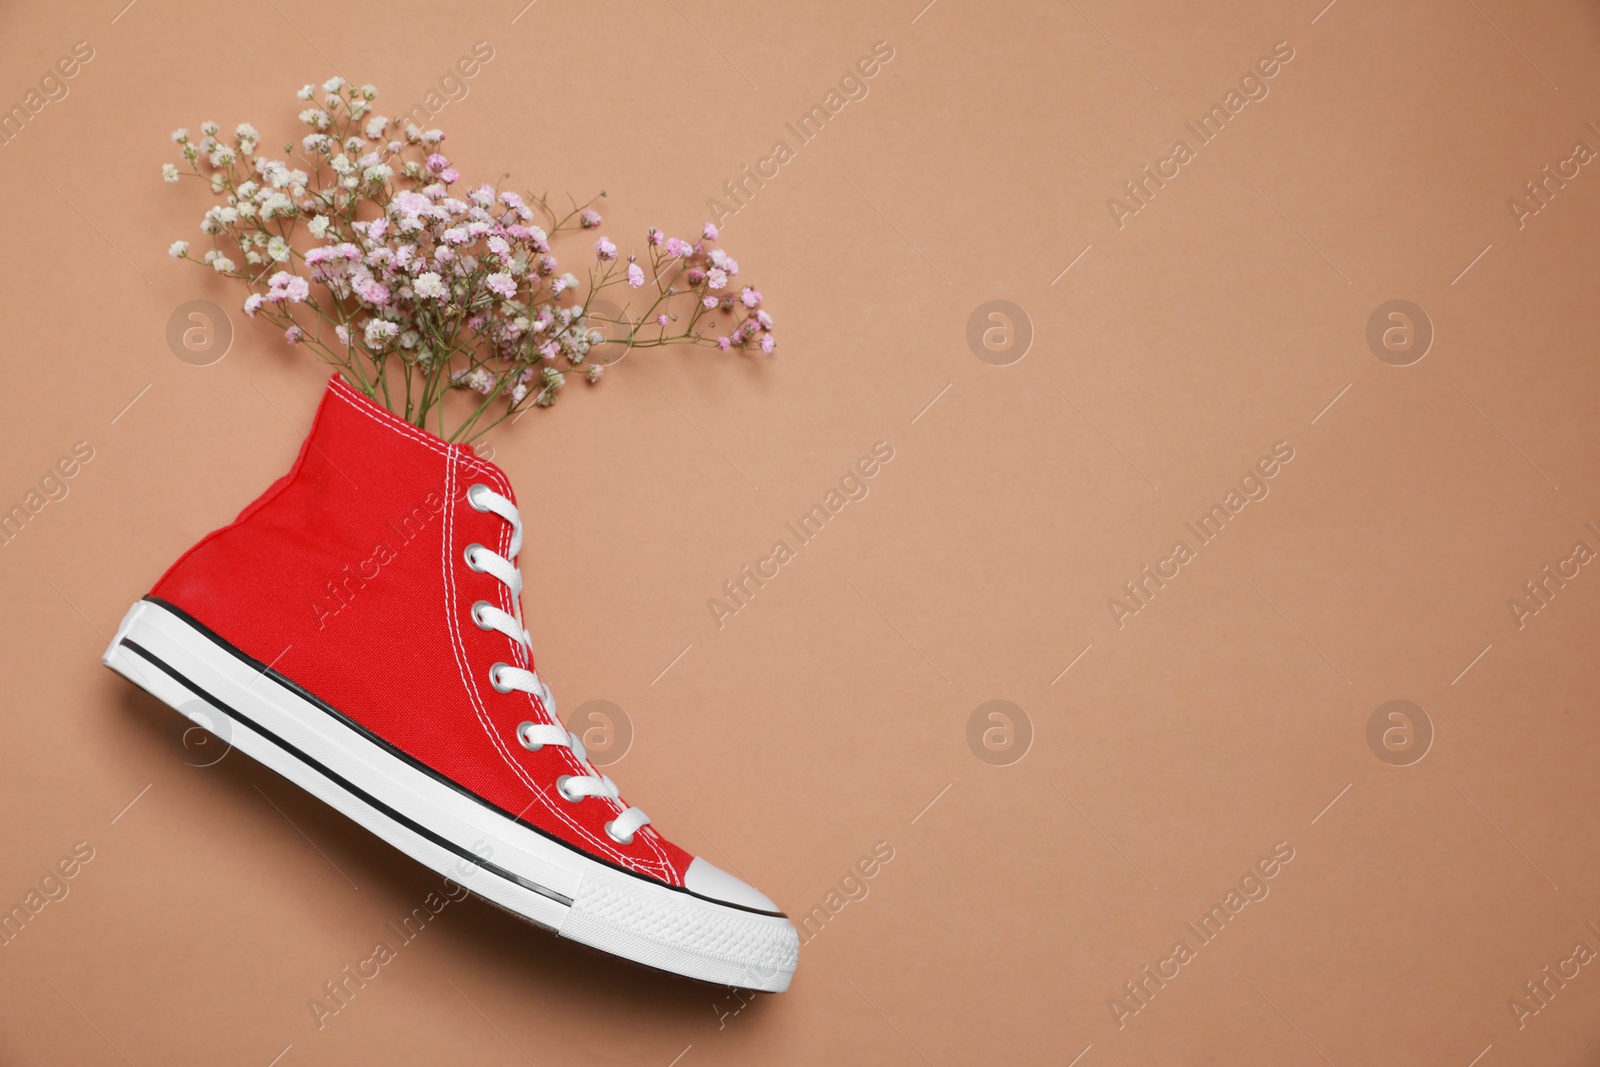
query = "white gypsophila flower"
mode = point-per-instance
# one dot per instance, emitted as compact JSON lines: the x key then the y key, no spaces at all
{"x":307,"y":91}
{"x":378,"y":174}
{"x":222,"y":264}
{"x":253,"y":258}
{"x":246,"y":132}
{"x":169,"y":172}
{"x":429,"y":284}
{"x":178,"y":249}
{"x":376,"y":125}
{"x":318,"y":226}
{"x":315,"y":116}
{"x":180,"y":136}
{"x":278,"y":249}
{"x":333,"y":84}
{"x":276,"y":204}
{"x":369,"y":92}
{"x":209,"y":128}
{"x":379,"y":333}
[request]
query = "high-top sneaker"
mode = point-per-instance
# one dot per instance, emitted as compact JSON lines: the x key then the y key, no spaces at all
{"x":358,"y":629}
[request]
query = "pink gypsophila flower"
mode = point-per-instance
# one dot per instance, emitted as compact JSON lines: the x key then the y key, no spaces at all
{"x":373,"y":292}
{"x":604,"y":249}
{"x":285,"y":286}
{"x":635,"y":275}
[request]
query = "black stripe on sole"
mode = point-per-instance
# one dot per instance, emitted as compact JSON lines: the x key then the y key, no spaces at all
{"x":347,"y":785}
{"x":416,"y":764}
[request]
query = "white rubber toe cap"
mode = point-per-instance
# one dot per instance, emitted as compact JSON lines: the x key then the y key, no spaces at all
{"x":709,"y":880}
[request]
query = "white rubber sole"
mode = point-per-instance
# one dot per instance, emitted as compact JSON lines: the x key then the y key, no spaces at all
{"x":442,"y":826}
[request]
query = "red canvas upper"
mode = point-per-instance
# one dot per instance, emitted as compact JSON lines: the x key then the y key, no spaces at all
{"x":347,"y":577}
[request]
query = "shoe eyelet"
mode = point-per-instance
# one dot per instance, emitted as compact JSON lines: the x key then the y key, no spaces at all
{"x":561,"y":787}
{"x":468,"y":556}
{"x":522,"y":737}
{"x":477,"y":616}
{"x":619,"y":840}
{"x":494,"y":678}
{"x":472,"y":496}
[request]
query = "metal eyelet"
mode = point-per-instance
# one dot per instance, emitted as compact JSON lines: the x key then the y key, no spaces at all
{"x":477,"y":617}
{"x":494,"y":678}
{"x":472,"y":496}
{"x":561,"y":787}
{"x":619,"y":840}
{"x":522,"y":737}
{"x":468,"y":553}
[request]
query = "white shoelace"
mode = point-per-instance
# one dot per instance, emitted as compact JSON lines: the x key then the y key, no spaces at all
{"x":506,"y":679}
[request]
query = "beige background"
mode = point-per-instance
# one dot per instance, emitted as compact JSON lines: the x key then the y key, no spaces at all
{"x":1228,"y":715}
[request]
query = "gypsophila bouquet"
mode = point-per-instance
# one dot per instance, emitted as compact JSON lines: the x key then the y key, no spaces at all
{"x":365,"y":246}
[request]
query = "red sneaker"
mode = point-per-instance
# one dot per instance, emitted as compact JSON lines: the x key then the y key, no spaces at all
{"x":358,"y":629}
